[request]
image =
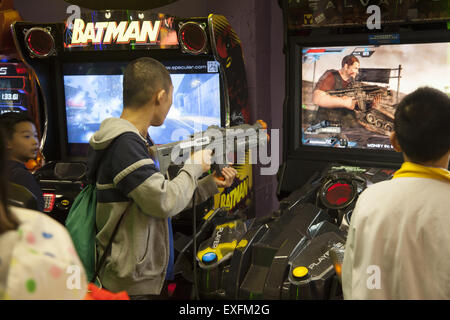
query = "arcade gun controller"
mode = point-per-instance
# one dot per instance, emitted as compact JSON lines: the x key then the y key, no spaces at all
{"x":294,"y":253}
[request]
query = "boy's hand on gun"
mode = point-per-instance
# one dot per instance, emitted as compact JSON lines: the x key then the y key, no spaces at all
{"x":202,"y":157}
{"x":227,"y":178}
{"x":224,"y":179}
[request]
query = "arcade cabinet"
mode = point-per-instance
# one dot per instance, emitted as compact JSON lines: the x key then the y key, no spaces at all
{"x":332,"y":155}
{"x":18,"y":87}
{"x":79,"y":66}
{"x":18,"y":93}
{"x":317,"y":38}
{"x":329,"y":157}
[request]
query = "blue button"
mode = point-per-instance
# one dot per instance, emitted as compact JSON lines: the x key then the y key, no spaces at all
{"x":209,"y":257}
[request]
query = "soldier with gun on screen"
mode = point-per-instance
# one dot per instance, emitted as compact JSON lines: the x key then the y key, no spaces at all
{"x":337,"y":94}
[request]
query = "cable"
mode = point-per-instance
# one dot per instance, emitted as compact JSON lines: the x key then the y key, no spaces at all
{"x":194,"y":245}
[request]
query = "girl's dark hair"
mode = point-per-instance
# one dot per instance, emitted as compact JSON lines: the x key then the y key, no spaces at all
{"x":7,"y":220}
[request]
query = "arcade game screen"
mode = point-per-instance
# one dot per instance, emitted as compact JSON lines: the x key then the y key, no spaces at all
{"x":93,"y":92}
{"x":385,"y":75}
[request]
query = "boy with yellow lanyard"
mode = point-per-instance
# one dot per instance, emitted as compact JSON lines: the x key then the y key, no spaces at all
{"x":398,"y":245}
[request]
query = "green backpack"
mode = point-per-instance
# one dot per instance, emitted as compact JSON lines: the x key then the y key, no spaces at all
{"x":82,"y":229}
{"x":81,"y":226}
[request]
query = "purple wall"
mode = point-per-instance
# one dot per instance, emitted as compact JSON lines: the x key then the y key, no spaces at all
{"x":259,"y":25}
{"x":42,"y":11}
{"x":55,"y":10}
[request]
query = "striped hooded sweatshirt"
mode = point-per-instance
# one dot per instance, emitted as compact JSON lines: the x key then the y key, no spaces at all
{"x":119,"y":161}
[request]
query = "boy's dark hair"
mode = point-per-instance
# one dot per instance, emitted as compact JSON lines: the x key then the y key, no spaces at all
{"x":422,"y":124}
{"x":142,"y":79}
{"x":349,"y":60}
{"x":9,"y":119}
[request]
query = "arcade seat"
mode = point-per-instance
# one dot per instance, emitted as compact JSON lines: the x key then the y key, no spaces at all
{"x":71,"y":171}
{"x":60,"y":183}
{"x":19,"y":196}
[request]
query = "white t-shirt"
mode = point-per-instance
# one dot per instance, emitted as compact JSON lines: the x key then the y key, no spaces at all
{"x":398,"y":245}
{"x":38,"y":261}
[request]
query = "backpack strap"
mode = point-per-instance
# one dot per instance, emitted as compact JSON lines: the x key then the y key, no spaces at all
{"x":108,"y":247}
{"x":94,"y":179}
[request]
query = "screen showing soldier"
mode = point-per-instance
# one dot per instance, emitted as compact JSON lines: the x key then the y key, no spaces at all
{"x":349,"y":93}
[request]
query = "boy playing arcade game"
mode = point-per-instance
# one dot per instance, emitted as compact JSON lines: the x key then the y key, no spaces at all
{"x":398,"y":240}
{"x":141,"y":257}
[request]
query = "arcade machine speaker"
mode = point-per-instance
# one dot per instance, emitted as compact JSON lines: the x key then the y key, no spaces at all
{"x":40,"y":42}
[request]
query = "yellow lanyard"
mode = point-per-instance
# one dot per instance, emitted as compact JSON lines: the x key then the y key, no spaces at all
{"x":410,"y":169}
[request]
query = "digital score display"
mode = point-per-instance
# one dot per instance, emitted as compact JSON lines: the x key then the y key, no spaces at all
{"x":14,"y":87}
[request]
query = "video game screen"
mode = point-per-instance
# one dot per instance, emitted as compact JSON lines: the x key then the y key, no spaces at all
{"x":93,"y":92}
{"x":352,"y":105}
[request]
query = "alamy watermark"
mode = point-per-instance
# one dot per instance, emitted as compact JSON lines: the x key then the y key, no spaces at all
{"x":73,"y":281}
{"x":374,"y":21}
{"x":374,"y":280}
{"x":75,"y":13}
